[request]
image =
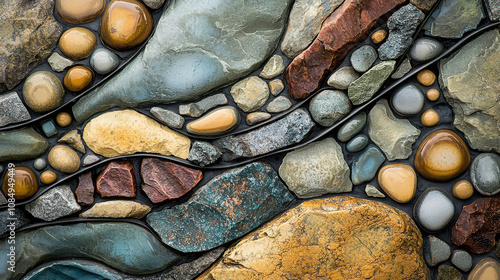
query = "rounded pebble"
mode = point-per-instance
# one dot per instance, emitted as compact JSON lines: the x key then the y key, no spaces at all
{"x":378,"y":36}
{"x":486,"y":269}
{"x":485,"y":173}
{"x":363,"y":58}
{"x":434,"y":210}
{"x":408,"y":100}
{"x":398,"y":181}
{"x":103,"y":61}
{"x":79,"y":11}
{"x":279,"y":104}
{"x":43,"y":91}
{"x":432,"y":94}
{"x":351,"y":127}
{"x":429,"y":118}
{"x":78,"y":78}
{"x":426,"y":77}
{"x":217,"y":121}
{"x":425,"y":49}
{"x":23,"y":181}
{"x":77,"y":43}
{"x":257,"y":117}
{"x":343,"y":77}
{"x":357,"y":143}
{"x":462,"y":189}
{"x":462,"y":260}
{"x":39,"y":164}
{"x":63,"y":119}
{"x":329,"y":106}
{"x":64,"y":159}
{"x":48,"y":177}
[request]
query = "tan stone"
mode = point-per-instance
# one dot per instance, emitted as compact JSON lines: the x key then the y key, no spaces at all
{"x":127,"y":132}
{"x":117,"y":209}
{"x":432,"y":94}
{"x":78,"y":78}
{"x":43,"y":91}
{"x":378,"y":36}
{"x":276,"y":86}
{"x":257,"y":117}
{"x":64,"y":159}
{"x":48,"y":177}
{"x":216,"y":122}
{"x":426,"y":77}
{"x":79,"y":11}
{"x":74,"y":140}
{"x":398,"y":181}
{"x":332,"y":238}
{"x":462,"y":189}
{"x":77,"y":43}
{"x":429,"y":118}
{"x":250,"y":94}
{"x":63,"y":119}
{"x":486,"y":269}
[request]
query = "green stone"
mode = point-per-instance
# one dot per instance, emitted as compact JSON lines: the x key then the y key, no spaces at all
{"x":21,"y":144}
{"x":363,"y":89}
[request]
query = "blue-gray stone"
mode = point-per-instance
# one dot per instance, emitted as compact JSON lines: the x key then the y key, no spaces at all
{"x":357,"y":143}
{"x":462,"y":260}
{"x":408,"y":100}
{"x":425,"y":49}
{"x":127,"y":247}
{"x":49,"y":128}
{"x":453,"y":18}
{"x":229,"y":206}
{"x":204,"y":153}
{"x":15,"y":216}
{"x":13,"y":109}
{"x":40,"y":164}
{"x":167,"y":117}
{"x":351,"y":127}
{"x":21,"y":144}
{"x":485,"y":173}
{"x":329,"y":106}
{"x":103,"y":61}
{"x":364,"y":168}
{"x":199,"y":108}
{"x":435,"y":250}
{"x":197,"y":47}
{"x":73,"y":270}
{"x":363,"y":58}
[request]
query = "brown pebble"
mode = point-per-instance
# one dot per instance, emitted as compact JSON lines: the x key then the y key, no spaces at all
{"x":64,"y":159}
{"x":429,"y":118}
{"x":22,"y":180}
{"x":77,"y":43}
{"x":43,"y":91}
{"x":48,"y":177}
{"x":78,"y":78}
{"x":379,"y":36}
{"x":63,"y":119}
{"x":79,"y":11}
{"x":463,"y":189}
{"x":426,"y":77}
{"x":432,"y":94}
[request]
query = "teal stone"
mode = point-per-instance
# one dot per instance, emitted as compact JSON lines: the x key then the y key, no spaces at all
{"x":357,"y":143}
{"x":351,"y":127}
{"x":127,"y":247}
{"x":21,"y":144}
{"x":227,"y":207}
{"x":364,"y":168}
{"x":49,"y":128}
{"x":329,"y":106}
{"x":197,"y":47}
{"x":363,"y":89}
{"x":453,"y":18}
{"x":73,"y":270}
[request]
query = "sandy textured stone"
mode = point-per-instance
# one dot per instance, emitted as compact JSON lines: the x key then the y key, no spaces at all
{"x":257,"y":117}
{"x":493,"y":8}
{"x":279,"y":104}
{"x":58,"y":63}
{"x":54,"y":204}
{"x":250,"y":94}
{"x":12,"y":109}
{"x":117,"y":209}
{"x":337,"y":238}
{"x":128,"y":132}
{"x":117,"y":180}
{"x":276,"y":86}
{"x":274,"y":67}
{"x":85,"y":190}
{"x":74,"y":140}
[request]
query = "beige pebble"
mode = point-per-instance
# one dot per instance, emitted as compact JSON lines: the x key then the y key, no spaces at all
{"x":64,"y":159}
{"x":48,"y":177}
{"x":429,"y":118}
{"x":426,"y":77}
{"x":77,"y":43}
{"x":63,"y":119}
{"x":432,"y":94}
{"x":43,"y":91}
{"x":462,"y":189}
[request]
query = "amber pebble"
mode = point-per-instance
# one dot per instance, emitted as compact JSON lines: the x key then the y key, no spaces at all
{"x":429,"y":118}
{"x":48,"y":177}
{"x":43,"y":91}
{"x":215,"y":122}
{"x":78,"y":78}
{"x":379,"y":36}
{"x":398,"y":181}
{"x":125,"y":24}
{"x":442,"y":156}
{"x":79,"y":11}
{"x":64,"y":159}
{"x":63,"y":119}
{"x":426,"y":77}
{"x":432,"y":94}
{"x":463,"y":189}
{"x":22,"y":180}
{"x":77,"y":43}
{"x":486,"y":269}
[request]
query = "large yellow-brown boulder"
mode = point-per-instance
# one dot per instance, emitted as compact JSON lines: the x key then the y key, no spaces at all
{"x":127,"y":132}
{"x":333,"y":238}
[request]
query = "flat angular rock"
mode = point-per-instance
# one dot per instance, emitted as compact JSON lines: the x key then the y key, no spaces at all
{"x":435,"y":250}
{"x":54,"y":204}
{"x":196,"y":48}
{"x":199,"y":108}
{"x":287,"y":131}
{"x":13,"y":109}
{"x":167,"y":117}
{"x":424,"y":5}
{"x":365,"y":166}
{"x":73,"y":270}
{"x":341,"y":31}
{"x":85,"y":190}
{"x":90,"y":159}
{"x":250,"y":94}
{"x":117,"y":180}
{"x":338,"y":238}
{"x":21,"y":144}
{"x":74,"y":140}
{"x":475,"y":68}
{"x":204,"y":153}
{"x":316,"y":169}
{"x":274,"y":67}
{"x":58,"y":63}
{"x":372,"y":191}
{"x":392,"y":135}
{"x":403,"y":68}
{"x":363,"y":89}
{"x":117,"y":209}
{"x":29,"y":33}
{"x":226,"y":208}
{"x":493,"y":8}
{"x":163,"y":180}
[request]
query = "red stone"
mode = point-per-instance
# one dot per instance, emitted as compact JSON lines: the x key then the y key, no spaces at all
{"x":164,"y":180}
{"x":117,"y":180}
{"x":85,"y":190}
{"x":341,"y":31}
{"x":477,"y":225}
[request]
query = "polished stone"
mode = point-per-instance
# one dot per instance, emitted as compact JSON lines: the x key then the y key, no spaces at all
{"x":273,"y":67}
{"x":485,"y":173}
{"x":117,"y":209}
{"x":104,"y":61}
{"x":363,"y":89}
{"x":167,"y":117}
{"x":117,"y":180}
{"x":63,"y":158}
{"x":432,"y":94}
{"x":56,"y":203}
{"x":486,"y":269}
{"x":351,"y":127}
{"x":425,"y":49}
{"x":408,"y":100}
{"x":462,"y":189}
{"x":378,"y":36}
{"x":23,"y":182}
{"x":13,"y":109}
{"x":58,"y":63}
{"x":363,"y":58}
{"x":429,"y":118}
{"x":77,"y":43}
{"x":434,"y":210}
{"x":204,"y":153}
{"x":357,"y":143}
{"x":199,"y":108}
{"x":78,"y":78}
{"x":257,"y":117}
{"x":21,"y":144}
{"x":365,"y":166}
{"x":462,"y":260}
{"x":48,"y":177}
{"x":342,"y":78}
{"x":279,"y":104}
{"x":73,"y":270}
{"x":426,"y":77}
{"x":398,"y":181}
{"x":250,"y":94}
{"x":74,"y":140}
{"x":215,"y":122}
{"x":329,"y":106}
{"x":81,"y":11}
{"x":43,"y":91}
{"x":40,"y":164}
{"x":63,"y":119}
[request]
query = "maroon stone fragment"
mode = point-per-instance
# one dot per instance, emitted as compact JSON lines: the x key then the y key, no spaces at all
{"x":341,"y":31}
{"x":164,"y":180}
{"x":85,"y":190}
{"x":477,"y":225}
{"x":117,"y":180}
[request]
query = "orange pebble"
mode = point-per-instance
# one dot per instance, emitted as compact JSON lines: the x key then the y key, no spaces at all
{"x":432,"y":94}
{"x":426,"y":77}
{"x":429,"y":118}
{"x":48,"y":177}
{"x":63,"y":119}
{"x":463,"y":189}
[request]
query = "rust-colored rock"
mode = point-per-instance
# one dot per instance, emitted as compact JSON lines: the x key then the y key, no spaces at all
{"x":166,"y":180}
{"x":117,"y":180}
{"x":477,"y":225}
{"x":341,"y":31}
{"x":85,"y":190}
{"x":332,"y":238}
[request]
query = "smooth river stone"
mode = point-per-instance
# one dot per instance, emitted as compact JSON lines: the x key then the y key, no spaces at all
{"x":365,"y":166}
{"x":429,"y":118}
{"x":442,"y":156}
{"x":316,"y":169}
{"x":257,"y":117}
{"x":378,"y":36}
{"x":128,"y":132}
{"x":357,"y":143}
{"x":462,"y":189}
{"x":24,"y":182}
{"x":21,"y":144}
{"x":227,"y":207}
{"x":103,"y":61}
{"x":363,"y":89}
{"x":436,"y":250}
{"x":485,"y":173}
{"x":250,"y":94}
{"x":48,"y":177}
{"x":117,"y":209}
{"x":434,"y":210}
{"x":40,"y":164}
{"x":63,"y":158}
{"x":408,"y":100}
{"x":117,"y":180}
{"x":54,"y":204}
{"x":486,"y":269}
{"x":216,"y":122}
{"x":425,"y":49}
{"x":43,"y":91}
{"x":78,"y":78}
{"x":363,"y":58}
{"x":329,"y":106}
{"x":13,"y":110}
{"x":279,"y":104}
{"x":194,"y":50}
{"x":398,"y":181}
{"x":392,"y":135}
{"x":351,"y":127}
{"x":128,"y":247}
{"x":73,"y":270}
{"x":125,"y":24}
{"x":342,"y":78}
{"x":337,"y":238}
{"x":80,"y":11}
{"x":77,"y":43}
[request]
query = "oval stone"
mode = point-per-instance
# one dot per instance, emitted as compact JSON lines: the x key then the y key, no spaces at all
{"x":22,"y":180}
{"x":363,"y":58}
{"x":351,"y":127}
{"x":462,"y":189}
{"x":485,"y":173}
{"x":408,"y":100}
{"x":216,"y":122}
{"x":63,"y":119}
{"x":398,"y":181}
{"x":48,"y":177}
{"x":429,"y":118}
{"x":434,"y":210}
{"x":425,"y":49}
{"x":78,"y":78}
{"x":442,"y":156}
{"x":378,"y":36}
{"x":43,"y":91}
{"x":77,"y":43}
{"x":486,"y":269}
{"x":64,"y":159}
{"x":329,"y":106}
{"x":426,"y":77}
{"x":125,"y":24}
{"x":104,"y":61}
{"x":357,"y":143}
{"x":79,"y":11}
{"x":432,"y":94}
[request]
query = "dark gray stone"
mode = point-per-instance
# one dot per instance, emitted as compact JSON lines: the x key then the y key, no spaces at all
{"x":15,"y":216}
{"x":21,"y":144}
{"x":203,"y":153}
{"x":485,"y":173}
{"x":365,"y":166}
{"x":363,"y":58}
{"x":403,"y":68}
{"x":435,"y":250}
{"x":167,"y":117}
{"x":199,"y":108}
{"x":493,"y":8}
{"x":54,"y":204}
{"x":462,"y":260}
{"x":329,"y":106}
{"x":351,"y":127}
{"x":12,"y":109}
{"x":425,"y":49}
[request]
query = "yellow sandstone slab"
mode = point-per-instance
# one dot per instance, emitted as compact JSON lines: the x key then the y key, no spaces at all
{"x":398,"y":181}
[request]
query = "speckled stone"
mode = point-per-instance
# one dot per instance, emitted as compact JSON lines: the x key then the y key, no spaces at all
{"x":462,"y":189}
{"x":351,"y":127}
{"x":462,"y":260}
{"x":493,"y":8}
{"x":58,"y":63}
{"x":25,"y":182}
{"x":250,"y":94}
{"x":204,"y":153}
{"x":486,"y":269}
{"x":425,"y":49}
{"x":54,"y":204}
{"x":485,"y":173}
{"x":13,"y":110}
{"x":199,"y":108}
{"x":257,"y":117}
{"x":74,"y":140}
{"x":64,"y":159}
{"x":435,"y":250}
{"x":43,"y":91}
{"x":448,"y":272}
{"x":363,"y":58}
{"x":49,"y":128}
{"x":81,"y":11}
{"x":48,"y":177}
{"x":408,"y":100}
{"x":363,"y":89}
{"x":426,"y":77}
{"x":424,"y":5}
{"x":63,"y":119}
{"x":434,"y":210}
{"x":329,"y":106}
{"x":77,"y":43}
{"x":342,"y":78}
{"x":40,"y":164}
{"x":104,"y":61}
{"x":279,"y":104}
{"x":167,"y":117}
{"x":21,"y":144}
{"x":78,"y":78}
{"x":85,"y":190}
{"x":215,"y":122}
{"x":429,"y":118}
{"x":117,"y":180}
{"x":365,"y":166}
{"x":154,"y":4}
{"x":398,"y":181}
{"x":273,"y":67}
{"x":372,"y":191}
{"x":357,"y":143}
{"x":14,"y":217}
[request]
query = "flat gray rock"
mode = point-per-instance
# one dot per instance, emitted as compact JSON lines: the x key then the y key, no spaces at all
{"x":12,"y":109}
{"x":54,"y":204}
{"x":199,"y":108}
{"x":342,"y":78}
{"x":167,"y":117}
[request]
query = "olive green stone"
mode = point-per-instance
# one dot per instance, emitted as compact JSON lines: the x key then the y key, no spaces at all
{"x":21,"y":144}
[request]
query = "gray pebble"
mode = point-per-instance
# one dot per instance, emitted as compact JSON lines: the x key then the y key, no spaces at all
{"x":435,"y":250}
{"x":90,"y":159}
{"x":408,"y":100}
{"x":363,"y":58}
{"x":167,"y":117}
{"x":343,"y":77}
{"x":329,"y":106}
{"x":404,"y":68}
{"x":351,"y":127}
{"x":103,"y":61}
{"x":462,"y":260}
{"x":204,"y":153}
{"x":372,"y":191}
{"x":40,"y":164}
{"x":425,"y":49}
{"x":485,"y":173}
{"x":199,"y":108}
{"x":357,"y":143}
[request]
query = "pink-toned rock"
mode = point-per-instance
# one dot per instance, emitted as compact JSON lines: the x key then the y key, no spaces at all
{"x":117,"y":180}
{"x":166,"y":180}
{"x":85,"y":190}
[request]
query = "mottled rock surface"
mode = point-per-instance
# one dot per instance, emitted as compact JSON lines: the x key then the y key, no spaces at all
{"x":117,"y":209}
{"x":73,"y":270}
{"x":117,"y":180}
{"x":250,"y":94}
{"x":424,"y":5}
{"x":493,"y":8}
{"x":55,"y":203}
{"x":273,"y":67}
{"x":58,"y":62}
{"x":167,"y":117}
{"x":448,"y":272}
{"x":363,"y":89}
{"x":329,"y":106}
{"x":85,"y":190}
{"x":16,"y":217}
{"x":204,"y":153}
{"x":21,"y":144}
{"x":12,"y":109}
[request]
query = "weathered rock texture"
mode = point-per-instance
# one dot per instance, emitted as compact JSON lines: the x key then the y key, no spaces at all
{"x":117,"y":180}
{"x":54,"y":204}
{"x":12,"y":109}
{"x":85,"y":190}
{"x":73,"y":270}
